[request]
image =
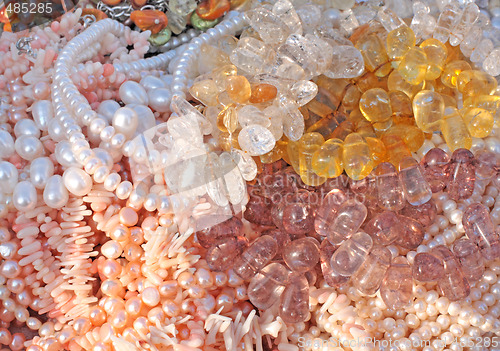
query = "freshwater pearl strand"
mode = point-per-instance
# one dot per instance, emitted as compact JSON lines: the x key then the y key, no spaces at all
{"x":73,"y":111}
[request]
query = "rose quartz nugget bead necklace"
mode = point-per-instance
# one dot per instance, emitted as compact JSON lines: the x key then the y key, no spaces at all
{"x":266,"y":287}
{"x":453,"y":285}
{"x":327,"y":212}
{"x":480,"y":229}
{"x":417,"y":190}
{"x":350,"y":217}
{"x":255,"y":257}
{"x":427,"y":267}
{"x":351,"y":254}
{"x":230,"y":228}
{"x":389,"y":189}
{"x":294,"y":305}
{"x":368,"y":277}
{"x":470,"y":259}
{"x":331,"y":277}
{"x":462,"y":175}
{"x":396,"y":289}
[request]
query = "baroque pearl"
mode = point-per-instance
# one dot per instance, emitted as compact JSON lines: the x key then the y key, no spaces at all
{"x":159,"y":99}
{"x":6,"y":144}
{"x":55,"y":193}
{"x":125,"y":121}
{"x":41,"y":170}
{"x":133,"y":93}
{"x":8,"y":177}
{"x":24,"y":196}
{"x":77,"y":181}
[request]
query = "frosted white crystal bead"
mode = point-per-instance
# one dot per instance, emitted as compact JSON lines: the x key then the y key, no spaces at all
{"x":256,"y":139}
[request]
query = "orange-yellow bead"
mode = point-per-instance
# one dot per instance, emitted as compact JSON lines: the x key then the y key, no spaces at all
{"x":213,"y":9}
{"x":479,"y":121}
{"x":356,"y":157}
{"x":396,"y":149}
{"x":471,"y":83}
{"x":399,"y":42}
{"x":327,"y":160}
{"x":400,"y":103}
{"x":263,"y":93}
{"x":378,"y":150}
{"x":395,"y":82}
{"x":413,"y":66}
{"x":375,"y":105}
{"x":436,"y":53}
{"x":308,"y":145}
{"x":238,"y":88}
{"x":374,"y":54}
{"x":455,"y":131}
{"x":451,"y":72}
{"x":412,"y":136}
{"x":152,"y":20}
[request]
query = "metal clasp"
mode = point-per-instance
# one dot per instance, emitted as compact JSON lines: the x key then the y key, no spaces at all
{"x":24,"y":47}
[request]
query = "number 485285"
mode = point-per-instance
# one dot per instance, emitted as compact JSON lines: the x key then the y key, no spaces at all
{"x":43,"y":7}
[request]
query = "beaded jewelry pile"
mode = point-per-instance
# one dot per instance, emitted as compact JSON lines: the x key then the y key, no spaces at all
{"x":301,"y":176}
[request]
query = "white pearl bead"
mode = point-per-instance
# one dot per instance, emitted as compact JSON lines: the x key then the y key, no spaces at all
{"x":147,"y":119}
{"x":125,"y":121}
{"x":55,"y":193}
{"x":29,"y":147}
{"x":133,"y":93}
{"x":159,"y":99}
{"x":8,"y":177}
{"x":107,"y":109}
{"x":152,"y":82}
{"x":6,"y":144}
{"x":24,"y":197}
{"x":26,"y":127}
{"x":77,"y":181}
{"x":41,"y":170}
{"x":64,"y":154}
{"x":42,"y":114}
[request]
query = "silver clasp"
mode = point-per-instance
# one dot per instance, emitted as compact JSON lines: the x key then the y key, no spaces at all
{"x":24,"y":47}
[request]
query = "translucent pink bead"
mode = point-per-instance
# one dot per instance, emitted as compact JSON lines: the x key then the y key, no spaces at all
{"x":390,"y":191}
{"x":411,"y":233}
{"x":298,"y":214}
{"x":230,"y":228}
{"x":480,"y":229}
{"x":265,"y":288}
{"x":427,"y":267}
{"x":417,"y":190}
{"x":350,"y":217}
{"x":351,"y":254}
{"x":453,"y":285}
{"x":487,"y":164}
{"x":332,"y":278}
{"x":396,"y":289}
{"x":328,"y":210}
{"x":368,"y":277}
{"x":302,"y":254}
{"x":462,"y":175}
{"x":383,"y":228}
{"x":224,"y":253}
{"x":282,"y":239}
{"x":258,"y":208}
{"x":294,"y":306}
{"x":255,"y":257}
{"x":425,"y":213}
{"x":435,"y":166}
{"x":470,"y":259}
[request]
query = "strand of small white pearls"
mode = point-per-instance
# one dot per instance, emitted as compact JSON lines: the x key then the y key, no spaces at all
{"x":178,"y":40}
{"x":232,"y":23}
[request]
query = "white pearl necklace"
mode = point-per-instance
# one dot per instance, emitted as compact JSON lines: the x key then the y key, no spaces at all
{"x":72,"y":110}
